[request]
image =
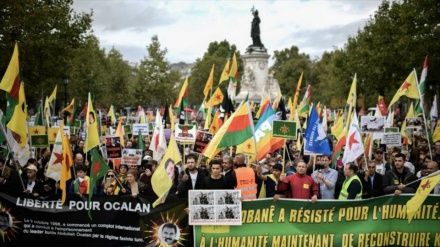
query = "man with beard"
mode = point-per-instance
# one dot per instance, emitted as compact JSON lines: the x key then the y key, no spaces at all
{"x":325,"y":177}
{"x":191,"y":177}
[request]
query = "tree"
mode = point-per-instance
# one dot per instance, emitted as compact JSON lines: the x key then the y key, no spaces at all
{"x":218,"y":53}
{"x":289,"y":64}
{"x":155,"y":82}
{"x":48,"y":32}
{"x":394,"y":41}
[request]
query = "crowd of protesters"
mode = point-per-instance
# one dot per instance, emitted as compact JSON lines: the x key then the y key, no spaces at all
{"x":284,"y":173}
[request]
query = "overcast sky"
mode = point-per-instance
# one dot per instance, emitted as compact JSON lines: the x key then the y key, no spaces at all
{"x":185,"y":28}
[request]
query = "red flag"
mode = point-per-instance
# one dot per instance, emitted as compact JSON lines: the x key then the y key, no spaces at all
{"x":382,"y":106}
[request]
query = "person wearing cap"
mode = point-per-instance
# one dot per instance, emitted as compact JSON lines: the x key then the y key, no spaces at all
{"x":271,"y":180}
{"x":33,"y":186}
{"x":381,"y":165}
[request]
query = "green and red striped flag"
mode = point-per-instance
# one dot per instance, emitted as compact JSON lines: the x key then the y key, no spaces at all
{"x":422,"y":86}
{"x":237,"y":129}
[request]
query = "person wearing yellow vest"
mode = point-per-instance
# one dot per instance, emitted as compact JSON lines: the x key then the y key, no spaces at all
{"x":352,"y":187}
{"x":245,"y":179}
{"x":270,"y":181}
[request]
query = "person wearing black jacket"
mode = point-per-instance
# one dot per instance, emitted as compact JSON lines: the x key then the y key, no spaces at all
{"x":190,"y":178}
{"x":372,"y":181}
{"x":397,"y":179}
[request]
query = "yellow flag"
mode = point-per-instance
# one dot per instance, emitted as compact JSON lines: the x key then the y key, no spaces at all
{"x":92,"y":136}
{"x":37,"y":130}
{"x":66,"y":163}
{"x":111,"y":114}
{"x":247,"y":147}
{"x":170,"y":112}
{"x":215,"y":124}
{"x":53,"y":96}
{"x":338,"y":128}
{"x":409,"y":88}
{"x":410,"y":113}
{"x":71,"y":107}
{"x":11,"y":80}
{"x":234,"y":67}
{"x":18,"y":122}
{"x":436,"y":134}
{"x":208,"y":118}
{"x":426,"y":186}
{"x":209,"y":83}
{"x":46,"y":112}
{"x":351,"y":99}
{"x":163,"y":177}
{"x":120,"y":132}
{"x":295,"y":98}
{"x":217,"y":97}
{"x":225,"y":73}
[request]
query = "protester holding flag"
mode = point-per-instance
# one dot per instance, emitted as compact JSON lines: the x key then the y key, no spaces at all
{"x":395,"y":180}
{"x":81,"y":184}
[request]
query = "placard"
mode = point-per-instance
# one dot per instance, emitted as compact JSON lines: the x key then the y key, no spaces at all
{"x":214,"y":207}
{"x":113,"y":145}
{"x":372,"y":124}
{"x":392,"y":130}
{"x":392,"y":139}
{"x":185,"y":133}
{"x":202,"y":140}
{"x":131,"y":156}
{"x":144,"y":128}
{"x":413,"y":123}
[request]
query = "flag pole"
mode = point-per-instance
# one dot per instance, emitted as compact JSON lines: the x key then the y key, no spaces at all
{"x":428,"y":176}
{"x":423,"y":112}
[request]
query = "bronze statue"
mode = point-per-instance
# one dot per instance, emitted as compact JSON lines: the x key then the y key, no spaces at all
{"x":255,"y":29}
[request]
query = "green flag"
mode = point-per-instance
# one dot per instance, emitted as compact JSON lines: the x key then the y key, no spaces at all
{"x":141,"y":144}
{"x":97,"y":170}
{"x":39,"y":118}
{"x":39,"y":141}
{"x":284,"y":129}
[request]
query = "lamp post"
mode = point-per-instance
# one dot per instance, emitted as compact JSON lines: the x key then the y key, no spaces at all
{"x":65,"y":82}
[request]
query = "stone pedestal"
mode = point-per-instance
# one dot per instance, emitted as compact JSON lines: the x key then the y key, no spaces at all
{"x":256,"y":79}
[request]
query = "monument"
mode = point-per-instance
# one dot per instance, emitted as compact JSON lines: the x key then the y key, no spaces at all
{"x":256,"y":80}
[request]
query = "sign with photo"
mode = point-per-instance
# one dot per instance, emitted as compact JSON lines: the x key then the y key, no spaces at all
{"x":131,"y":156}
{"x":113,"y":146}
{"x":372,"y":124}
{"x":284,"y":129}
{"x":144,"y":128}
{"x":185,"y":133}
{"x":202,"y":140}
{"x":214,"y":207}
{"x":127,"y":129}
{"x":413,"y":123}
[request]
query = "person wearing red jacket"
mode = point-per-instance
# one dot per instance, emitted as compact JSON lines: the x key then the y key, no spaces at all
{"x":298,"y":186}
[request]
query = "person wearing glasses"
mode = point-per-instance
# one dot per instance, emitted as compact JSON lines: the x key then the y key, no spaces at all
{"x":111,"y":185}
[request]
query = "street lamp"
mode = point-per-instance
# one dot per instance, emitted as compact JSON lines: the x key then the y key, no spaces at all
{"x":65,"y":82}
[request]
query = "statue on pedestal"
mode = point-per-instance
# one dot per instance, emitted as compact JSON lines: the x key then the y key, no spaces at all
{"x":255,"y":34}
{"x":272,"y":86}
